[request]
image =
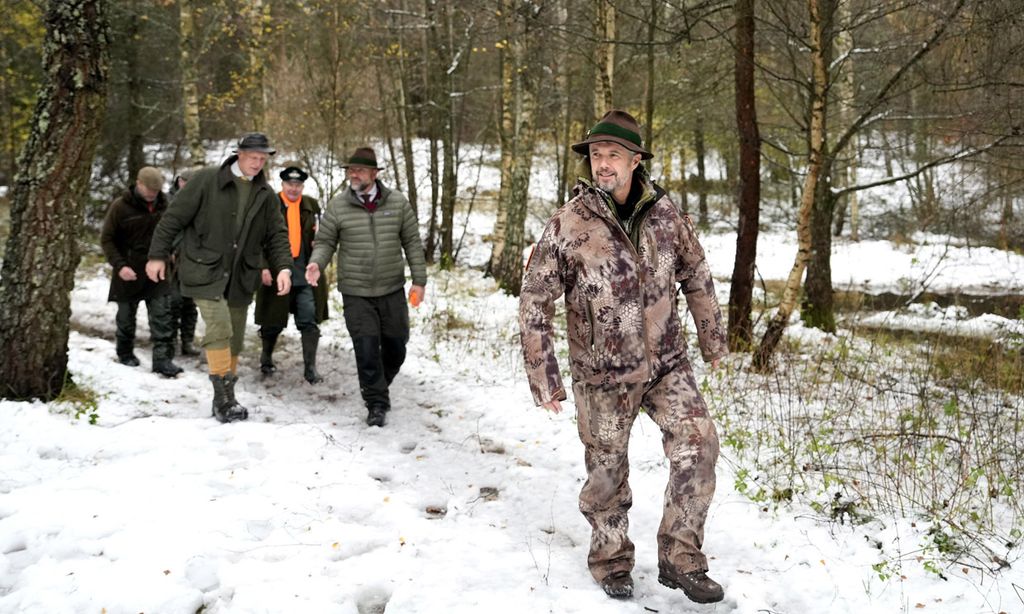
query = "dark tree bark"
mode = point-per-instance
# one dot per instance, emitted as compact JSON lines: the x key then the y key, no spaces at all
{"x":700,"y":154}
{"x":740,"y":332}
{"x":47,"y":201}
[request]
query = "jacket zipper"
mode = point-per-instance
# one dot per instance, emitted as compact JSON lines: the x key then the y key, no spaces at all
{"x":640,"y":280}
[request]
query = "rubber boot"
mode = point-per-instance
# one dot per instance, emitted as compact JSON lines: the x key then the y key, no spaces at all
{"x":188,"y":347}
{"x":126,"y":353}
{"x":267,"y":366}
{"x":223,"y":409}
{"x":162,"y":363}
{"x":229,"y":389}
{"x":310,"y":341}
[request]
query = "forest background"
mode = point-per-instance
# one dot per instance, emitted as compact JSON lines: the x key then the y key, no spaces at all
{"x":792,"y":114}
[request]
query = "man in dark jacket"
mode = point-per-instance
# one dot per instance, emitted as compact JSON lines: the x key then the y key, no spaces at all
{"x":229,"y":218}
{"x":302,"y":215}
{"x":371,"y":226}
{"x":127,"y":230}
{"x":620,"y":252}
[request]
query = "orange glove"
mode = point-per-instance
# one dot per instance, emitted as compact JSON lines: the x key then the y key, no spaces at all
{"x":415,"y":296}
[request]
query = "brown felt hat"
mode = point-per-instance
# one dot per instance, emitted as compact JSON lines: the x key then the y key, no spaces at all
{"x":150,"y":177}
{"x":363,"y":156}
{"x":617,"y":127}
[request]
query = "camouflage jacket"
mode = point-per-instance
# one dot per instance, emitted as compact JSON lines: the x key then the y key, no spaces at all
{"x":621,"y":293}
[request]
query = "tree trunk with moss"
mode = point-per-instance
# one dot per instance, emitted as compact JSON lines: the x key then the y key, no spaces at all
{"x":48,"y":201}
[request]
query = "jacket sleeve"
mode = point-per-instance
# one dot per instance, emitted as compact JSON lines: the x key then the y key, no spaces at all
{"x":110,"y":223}
{"x":543,"y":284}
{"x":694,"y":277}
{"x":413,"y":246}
{"x":172,"y":223}
{"x":326,"y":239}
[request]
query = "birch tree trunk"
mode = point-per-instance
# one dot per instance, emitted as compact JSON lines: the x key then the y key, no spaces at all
{"x":446,"y":259}
{"x":505,"y":137}
{"x":48,"y":200}
{"x":189,"y":84}
{"x":518,"y":120}
{"x":740,"y":330}
{"x":819,"y":90}
{"x":404,"y":123}
{"x":652,"y":28}
{"x":259,"y":20}
{"x":604,"y":56}
{"x":564,"y":155}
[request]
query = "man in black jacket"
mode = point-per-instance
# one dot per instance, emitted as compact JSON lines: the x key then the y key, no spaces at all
{"x":127,"y":230}
{"x":307,"y":303}
{"x":230,"y":219}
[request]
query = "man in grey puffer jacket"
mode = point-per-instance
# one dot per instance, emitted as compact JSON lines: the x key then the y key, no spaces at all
{"x":371,"y":226}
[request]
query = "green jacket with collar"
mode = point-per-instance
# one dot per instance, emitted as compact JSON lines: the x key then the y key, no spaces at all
{"x":214,"y":261}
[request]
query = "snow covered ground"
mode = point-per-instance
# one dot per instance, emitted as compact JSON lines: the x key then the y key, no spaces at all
{"x":465,"y":502}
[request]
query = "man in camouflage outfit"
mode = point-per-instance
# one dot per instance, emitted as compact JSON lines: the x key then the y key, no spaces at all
{"x":620,"y":251}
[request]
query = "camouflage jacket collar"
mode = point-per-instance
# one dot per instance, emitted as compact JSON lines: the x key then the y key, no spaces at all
{"x":651,"y":194}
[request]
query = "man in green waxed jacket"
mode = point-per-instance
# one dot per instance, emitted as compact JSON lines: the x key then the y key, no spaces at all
{"x":230,"y":220}
{"x":371,"y":226}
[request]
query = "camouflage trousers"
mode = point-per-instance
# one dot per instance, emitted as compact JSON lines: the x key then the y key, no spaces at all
{"x":605,"y":416}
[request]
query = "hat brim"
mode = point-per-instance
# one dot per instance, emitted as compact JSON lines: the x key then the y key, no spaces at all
{"x":376,"y":168}
{"x":267,"y":150}
{"x":583,"y":147}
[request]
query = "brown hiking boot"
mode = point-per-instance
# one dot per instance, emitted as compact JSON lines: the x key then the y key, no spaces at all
{"x":618,"y":585}
{"x":696,"y":584}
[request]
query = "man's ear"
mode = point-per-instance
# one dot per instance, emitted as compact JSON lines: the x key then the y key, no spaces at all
{"x":636,"y":161}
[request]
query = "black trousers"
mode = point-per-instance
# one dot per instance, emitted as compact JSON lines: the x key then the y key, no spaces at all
{"x":379,"y":327}
{"x":161,"y":330}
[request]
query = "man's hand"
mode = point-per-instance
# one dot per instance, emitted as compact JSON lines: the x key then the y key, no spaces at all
{"x":156,"y":270}
{"x":715,"y":363}
{"x":553,"y":405}
{"x":267,"y":278}
{"x":284,"y":282}
{"x":312,"y":273}
{"x":127,"y":273}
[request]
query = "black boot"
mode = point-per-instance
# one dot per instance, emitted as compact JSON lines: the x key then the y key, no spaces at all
{"x":188,"y":348}
{"x":229,"y":387}
{"x":377,"y":415}
{"x":126,"y":353}
{"x":310,"y":340}
{"x":223,"y":409}
{"x":267,"y":366}
{"x":162,"y":363}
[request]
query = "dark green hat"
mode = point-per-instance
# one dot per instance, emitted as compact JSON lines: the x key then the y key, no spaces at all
{"x":363,"y":156}
{"x":617,"y":127}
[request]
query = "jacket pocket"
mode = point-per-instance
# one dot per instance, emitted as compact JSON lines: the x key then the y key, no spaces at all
{"x":249,"y":271}
{"x":590,"y":325}
{"x":201,"y":266}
